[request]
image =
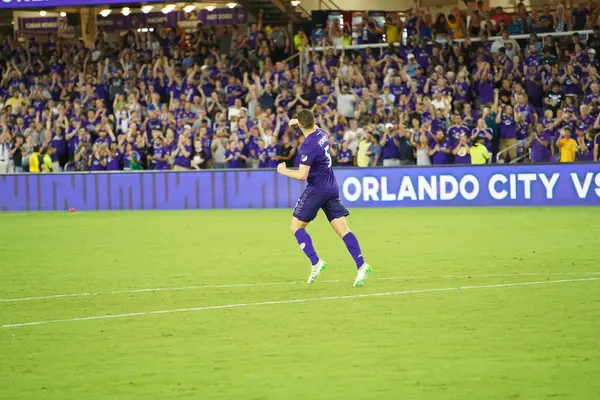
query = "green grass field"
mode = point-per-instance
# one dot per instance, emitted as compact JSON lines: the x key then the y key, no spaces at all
{"x":409,"y":334}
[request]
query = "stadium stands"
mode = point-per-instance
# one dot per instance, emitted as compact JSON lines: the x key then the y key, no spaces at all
{"x":411,"y":89}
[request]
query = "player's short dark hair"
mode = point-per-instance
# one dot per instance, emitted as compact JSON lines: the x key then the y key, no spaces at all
{"x":306,"y":119}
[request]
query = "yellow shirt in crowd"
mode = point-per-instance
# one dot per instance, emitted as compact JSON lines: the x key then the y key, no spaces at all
{"x":362,"y":159}
{"x":479,"y":155}
{"x":34,"y":163}
{"x":47,"y":167}
{"x":568,"y":149}
{"x":14,"y":101}
{"x":391,"y":33}
{"x":456,"y":29}
{"x":347,"y":40}
{"x":298,"y":42}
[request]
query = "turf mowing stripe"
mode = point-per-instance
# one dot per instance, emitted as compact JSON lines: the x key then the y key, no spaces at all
{"x":166,"y":289}
{"x":265,"y":303}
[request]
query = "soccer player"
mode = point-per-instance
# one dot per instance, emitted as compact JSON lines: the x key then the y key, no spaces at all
{"x":322,"y":192}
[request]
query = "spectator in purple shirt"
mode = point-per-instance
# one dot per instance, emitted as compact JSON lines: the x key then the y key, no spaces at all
{"x":182,"y":154}
{"x":234,"y":158}
{"x":461,"y":151}
{"x":390,"y":147}
{"x":539,"y":143}
{"x":161,"y":155}
{"x":273,"y":152}
{"x":344,"y":156}
{"x":233,"y":90}
{"x":585,"y":146}
{"x":261,"y":155}
{"x":570,"y":81}
{"x":484,"y":132}
{"x":457,"y":130}
{"x":97,"y":161}
{"x":507,"y":121}
{"x":113,"y":158}
{"x":441,"y":149}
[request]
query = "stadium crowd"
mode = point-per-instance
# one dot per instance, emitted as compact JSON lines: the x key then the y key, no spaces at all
{"x":447,"y":95}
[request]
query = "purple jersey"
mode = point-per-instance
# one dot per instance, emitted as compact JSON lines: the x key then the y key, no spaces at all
{"x":586,"y":153}
{"x":345,"y":158}
{"x":263,"y":158}
{"x":113,"y":163}
{"x":322,"y":192}
{"x":314,"y":152}
{"x":272,"y":152}
{"x":540,"y":153}
{"x":508,"y":127}
{"x":482,"y":133}
{"x":161,"y":152}
{"x":97,"y":164}
{"x":456,"y":131}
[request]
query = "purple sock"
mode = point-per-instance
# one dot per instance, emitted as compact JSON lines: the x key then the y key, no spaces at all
{"x":354,"y":249}
{"x":306,"y":245}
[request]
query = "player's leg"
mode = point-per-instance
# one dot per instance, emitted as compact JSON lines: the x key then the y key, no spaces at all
{"x":298,"y":228}
{"x":304,"y":212}
{"x":336,"y":213}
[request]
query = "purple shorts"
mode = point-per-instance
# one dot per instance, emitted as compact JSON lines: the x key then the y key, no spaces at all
{"x":310,"y":202}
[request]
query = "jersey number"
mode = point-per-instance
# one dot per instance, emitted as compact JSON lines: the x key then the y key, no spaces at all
{"x":326,"y":148}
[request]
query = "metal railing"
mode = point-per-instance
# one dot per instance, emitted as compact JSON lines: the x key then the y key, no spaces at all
{"x":303,"y":11}
{"x":329,"y":4}
{"x":515,"y":147}
{"x":290,"y":58}
{"x":444,"y":40}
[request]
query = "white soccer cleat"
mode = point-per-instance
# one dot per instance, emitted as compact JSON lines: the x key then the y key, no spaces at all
{"x":316,"y":270}
{"x":363,"y":275}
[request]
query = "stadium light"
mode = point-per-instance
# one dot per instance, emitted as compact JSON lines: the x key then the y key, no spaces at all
{"x":168,"y":8}
{"x":210,"y":8}
{"x":63,"y":14}
{"x":295,"y":3}
{"x":147,"y":9}
{"x":105,"y":13}
{"x":231,"y":5}
{"x":189,"y":8}
{"x":43,"y":13}
{"x":126,"y":11}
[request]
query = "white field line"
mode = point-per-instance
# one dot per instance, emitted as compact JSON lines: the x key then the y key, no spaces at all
{"x":236,"y":285}
{"x":305,"y":300}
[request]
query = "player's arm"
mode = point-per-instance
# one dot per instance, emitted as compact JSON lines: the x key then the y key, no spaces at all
{"x":299,"y":174}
